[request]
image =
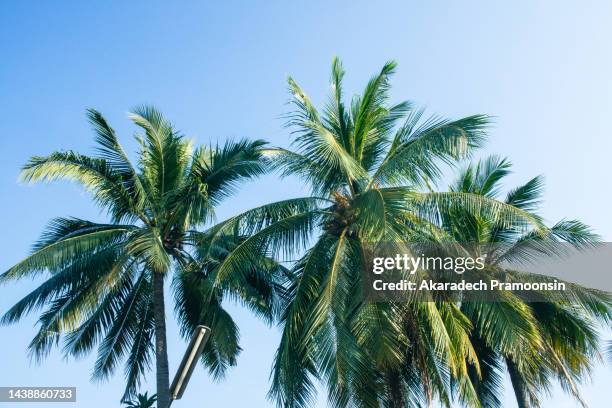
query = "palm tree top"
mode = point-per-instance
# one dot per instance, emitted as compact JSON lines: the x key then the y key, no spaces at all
{"x":369,"y":141}
{"x":104,"y":281}
{"x":370,"y":165}
{"x":142,"y":401}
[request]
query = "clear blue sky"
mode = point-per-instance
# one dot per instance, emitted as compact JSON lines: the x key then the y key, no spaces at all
{"x":542,"y":68}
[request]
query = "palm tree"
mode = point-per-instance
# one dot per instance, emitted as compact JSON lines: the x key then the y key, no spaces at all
{"x":104,"y":282}
{"x":536,"y":340}
{"x":142,"y":401}
{"x":369,"y":176}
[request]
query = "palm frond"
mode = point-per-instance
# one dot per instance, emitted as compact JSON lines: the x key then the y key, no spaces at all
{"x":371,"y":107}
{"x":95,"y":175}
{"x":318,"y":143}
{"x":57,"y":249}
{"x":222,"y":169}
{"x":141,"y":351}
{"x":117,"y":341}
{"x":417,"y":150}
{"x":165,"y":154}
{"x":112,"y":153}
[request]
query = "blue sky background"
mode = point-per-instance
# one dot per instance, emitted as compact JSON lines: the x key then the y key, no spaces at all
{"x":542,"y":68}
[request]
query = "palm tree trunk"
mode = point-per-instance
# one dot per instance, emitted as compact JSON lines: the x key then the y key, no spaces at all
{"x":517,"y":384}
{"x":161,"y":345}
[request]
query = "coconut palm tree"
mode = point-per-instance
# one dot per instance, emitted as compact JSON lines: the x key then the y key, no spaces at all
{"x":369,"y":164}
{"x":104,"y":282}
{"x":142,"y":401}
{"x":535,"y":340}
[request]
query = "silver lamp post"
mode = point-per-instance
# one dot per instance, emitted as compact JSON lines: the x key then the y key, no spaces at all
{"x":190,"y":359}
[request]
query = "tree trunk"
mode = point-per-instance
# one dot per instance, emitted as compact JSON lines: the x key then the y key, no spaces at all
{"x":396,"y":396}
{"x":161,"y":345}
{"x":517,"y":384}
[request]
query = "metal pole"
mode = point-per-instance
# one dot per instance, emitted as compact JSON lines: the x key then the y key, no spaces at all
{"x":183,"y":374}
